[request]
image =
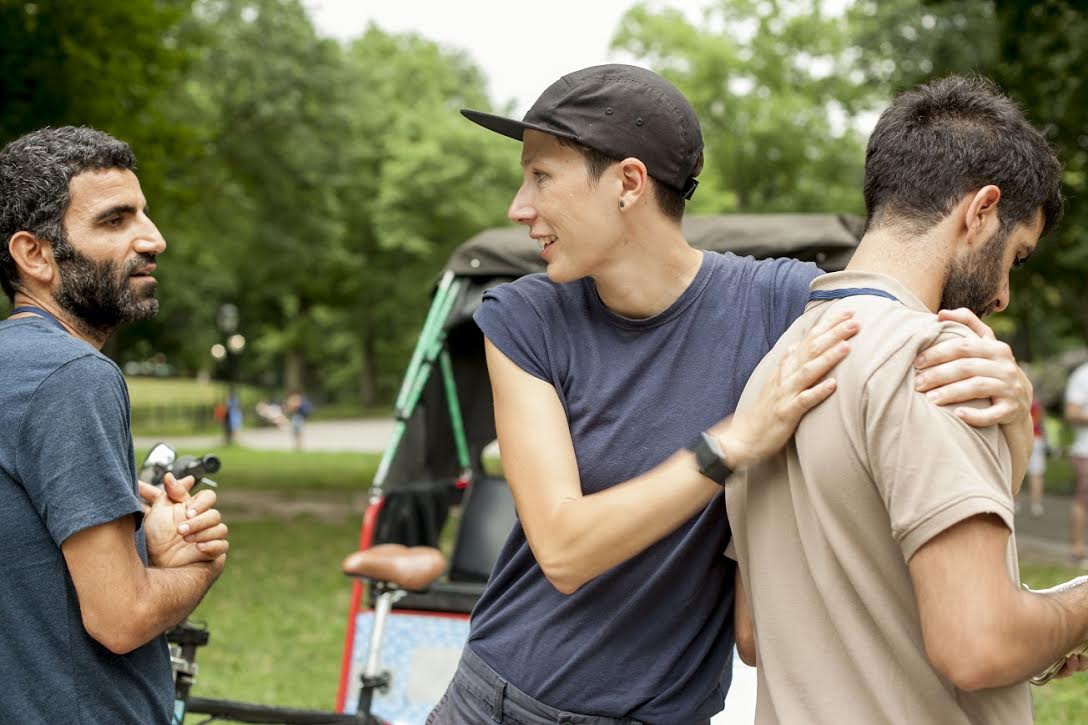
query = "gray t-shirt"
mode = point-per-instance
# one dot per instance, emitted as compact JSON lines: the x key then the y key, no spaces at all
{"x":66,"y":464}
{"x":652,"y":637}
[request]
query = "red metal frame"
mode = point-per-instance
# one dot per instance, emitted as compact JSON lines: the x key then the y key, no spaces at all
{"x":366,"y":538}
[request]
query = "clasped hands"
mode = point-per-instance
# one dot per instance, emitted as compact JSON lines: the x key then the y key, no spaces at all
{"x":182,"y":529}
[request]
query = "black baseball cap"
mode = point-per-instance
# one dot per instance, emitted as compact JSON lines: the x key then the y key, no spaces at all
{"x":621,"y":111}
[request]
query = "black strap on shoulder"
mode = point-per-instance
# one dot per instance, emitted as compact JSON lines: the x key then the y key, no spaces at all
{"x":39,"y":312}
{"x":838,"y":294}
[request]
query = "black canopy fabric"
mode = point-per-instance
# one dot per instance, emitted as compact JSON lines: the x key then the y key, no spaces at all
{"x":826,"y":239}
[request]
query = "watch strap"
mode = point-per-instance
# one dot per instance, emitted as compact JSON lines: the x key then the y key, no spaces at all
{"x":709,"y":458}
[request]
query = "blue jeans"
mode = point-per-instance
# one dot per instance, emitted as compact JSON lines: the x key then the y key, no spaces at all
{"x":480,"y":696}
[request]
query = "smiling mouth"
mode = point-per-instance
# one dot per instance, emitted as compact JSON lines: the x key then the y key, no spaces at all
{"x":546,"y":242}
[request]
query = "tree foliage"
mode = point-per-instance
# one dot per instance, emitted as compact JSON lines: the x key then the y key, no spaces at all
{"x":320,"y":186}
{"x":1035,"y":51}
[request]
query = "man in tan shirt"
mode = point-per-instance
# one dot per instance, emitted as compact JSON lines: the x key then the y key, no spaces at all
{"x":877,"y":578}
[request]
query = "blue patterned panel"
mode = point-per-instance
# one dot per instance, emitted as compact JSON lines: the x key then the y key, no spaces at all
{"x":419,"y":651}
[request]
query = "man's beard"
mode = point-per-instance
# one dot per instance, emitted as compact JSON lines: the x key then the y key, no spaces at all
{"x":100,"y":294}
{"x":975,"y":283}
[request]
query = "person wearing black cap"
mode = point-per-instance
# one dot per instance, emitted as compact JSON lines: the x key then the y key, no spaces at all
{"x":613,"y":377}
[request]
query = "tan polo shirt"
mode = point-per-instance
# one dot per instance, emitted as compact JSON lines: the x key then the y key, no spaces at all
{"x":824,"y":530}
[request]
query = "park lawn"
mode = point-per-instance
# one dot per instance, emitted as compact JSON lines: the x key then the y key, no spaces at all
{"x":183,"y":406}
{"x":179,"y":391}
{"x":288,"y":471}
{"x":278,"y":613}
{"x":1059,"y":702}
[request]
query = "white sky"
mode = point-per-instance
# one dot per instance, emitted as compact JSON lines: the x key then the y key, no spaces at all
{"x":522,"y":47}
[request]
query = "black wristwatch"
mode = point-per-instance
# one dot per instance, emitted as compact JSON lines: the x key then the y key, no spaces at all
{"x":710,"y":458}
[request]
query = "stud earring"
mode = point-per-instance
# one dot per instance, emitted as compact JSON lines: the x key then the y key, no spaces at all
{"x":621,"y":203}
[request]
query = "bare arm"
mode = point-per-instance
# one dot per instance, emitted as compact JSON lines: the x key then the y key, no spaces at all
{"x":123,"y":603}
{"x":1076,"y":414}
{"x":576,"y":537}
{"x":742,"y":623}
{"x":980,"y":630}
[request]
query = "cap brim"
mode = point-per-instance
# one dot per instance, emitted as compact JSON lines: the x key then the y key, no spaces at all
{"x":509,"y":127}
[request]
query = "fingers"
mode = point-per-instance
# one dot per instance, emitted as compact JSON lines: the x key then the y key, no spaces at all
{"x":178,"y":491}
{"x":815,"y":369}
{"x":964,"y":347}
{"x":969,"y":319}
{"x":213,"y":549}
{"x":828,"y":333}
{"x":148,"y":493}
{"x":828,"y":322}
{"x":1073,"y":664}
{"x":219,"y":531}
{"x":200,"y":503}
{"x":957,"y":370}
{"x":809,"y":398}
{"x":1000,"y":412}
{"x":975,"y":388}
{"x":823,"y":348}
{"x":199,"y":523}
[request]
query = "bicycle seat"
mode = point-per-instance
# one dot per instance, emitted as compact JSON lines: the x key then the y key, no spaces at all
{"x":411,"y":568}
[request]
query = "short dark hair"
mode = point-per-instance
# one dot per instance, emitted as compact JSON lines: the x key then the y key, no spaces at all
{"x":945,"y":138}
{"x":669,"y":201}
{"x":35,"y":173}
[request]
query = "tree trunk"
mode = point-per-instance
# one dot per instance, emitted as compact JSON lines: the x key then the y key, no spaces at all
{"x":368,"y":387}
{"x":292,"y":370}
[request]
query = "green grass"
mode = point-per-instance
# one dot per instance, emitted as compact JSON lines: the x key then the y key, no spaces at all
{"x":277,"y":614}
{"x":183,"y":406}
{"x":289,"y":471}
{"x":1065,"y":701}
{"x":277,"y":618}
{"x":181,"y":391}
{"x":1059,"y":475}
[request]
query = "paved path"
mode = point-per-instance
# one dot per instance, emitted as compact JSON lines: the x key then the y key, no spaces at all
{"x":1044,"y":537}
{"x":359,"y":436}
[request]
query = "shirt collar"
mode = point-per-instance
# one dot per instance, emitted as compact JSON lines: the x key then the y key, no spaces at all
{"x":841,"y":280}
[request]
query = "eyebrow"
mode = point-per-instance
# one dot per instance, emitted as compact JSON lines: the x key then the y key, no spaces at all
{"x":115,"y":210}
{"x":526,"y":160}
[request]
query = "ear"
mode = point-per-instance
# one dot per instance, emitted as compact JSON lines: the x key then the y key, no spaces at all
{"x":33,"y":259}
{"x":634,"y":181}
{"x":980,"y":219}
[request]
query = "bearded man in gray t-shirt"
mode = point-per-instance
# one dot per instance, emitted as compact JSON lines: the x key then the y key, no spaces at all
{"x":89,"y":577}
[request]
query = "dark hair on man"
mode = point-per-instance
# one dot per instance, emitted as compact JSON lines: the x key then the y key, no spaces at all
{"x":669,"y":201}
{"x":949,"y":137}
{"x":35,"y":173}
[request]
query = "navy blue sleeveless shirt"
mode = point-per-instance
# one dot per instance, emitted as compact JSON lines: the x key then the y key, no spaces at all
{"x":651,"y":638}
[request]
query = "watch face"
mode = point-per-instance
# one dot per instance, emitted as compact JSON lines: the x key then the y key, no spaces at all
{"x":713,"y":444}
{"x":709,"y":458}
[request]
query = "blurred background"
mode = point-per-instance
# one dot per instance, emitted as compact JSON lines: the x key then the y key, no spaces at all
{"x":308,"y":165}
{"x":306,"y":162}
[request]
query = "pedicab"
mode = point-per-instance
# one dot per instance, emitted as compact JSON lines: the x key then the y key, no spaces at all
{"x":410,"y":603}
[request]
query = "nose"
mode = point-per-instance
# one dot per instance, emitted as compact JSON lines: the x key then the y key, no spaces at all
{"x":1002,"y":299}
{"x":150,"y":240}
{"x":521,"y":210}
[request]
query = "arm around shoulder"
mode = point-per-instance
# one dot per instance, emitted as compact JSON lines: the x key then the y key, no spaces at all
{"x":576,"y":537}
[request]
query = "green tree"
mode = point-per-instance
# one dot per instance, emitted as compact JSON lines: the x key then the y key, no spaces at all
{"x":771,"y":86}
{"x":1035,"y":52}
